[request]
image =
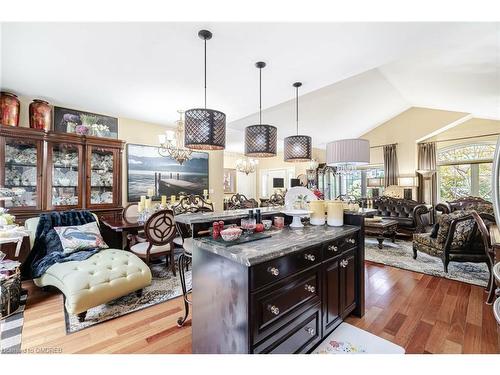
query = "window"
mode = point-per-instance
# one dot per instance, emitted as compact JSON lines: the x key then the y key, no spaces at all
{"x":465,"y":170}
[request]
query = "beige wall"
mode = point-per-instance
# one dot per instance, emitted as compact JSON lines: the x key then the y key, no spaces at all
{"x":405,"y":129}
{"x":134,"y":131}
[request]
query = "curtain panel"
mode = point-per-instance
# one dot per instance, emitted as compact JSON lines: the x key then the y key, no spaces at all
{"x":391,"y":170}
{"x":427,"y":161}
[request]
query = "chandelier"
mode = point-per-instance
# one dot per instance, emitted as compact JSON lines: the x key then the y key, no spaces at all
{"x":172,"y":143}
{"x":246,"y":165}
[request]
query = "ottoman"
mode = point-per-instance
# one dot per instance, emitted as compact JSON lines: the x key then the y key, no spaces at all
{"x":103,"y":277}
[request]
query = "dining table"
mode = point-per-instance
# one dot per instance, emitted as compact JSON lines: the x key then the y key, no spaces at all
{"x":117,"y":230}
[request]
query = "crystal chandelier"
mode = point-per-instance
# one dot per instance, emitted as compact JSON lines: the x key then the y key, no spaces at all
{"x":172,"y":143}
{"x":246,"y":165}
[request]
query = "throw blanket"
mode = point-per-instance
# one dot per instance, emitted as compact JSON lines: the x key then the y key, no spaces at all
{"x":47,"y":249}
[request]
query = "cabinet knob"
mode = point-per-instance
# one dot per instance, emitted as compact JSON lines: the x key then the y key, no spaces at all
{"x":333,"y":248}
{"x":273,"y":271}
{"x":310,"y":330}
{"x":309,"y":257}
{"x":351,"y":240}
{"x":344,"y":263}
{"x":274,"y":309}
{"x":310,"y":288}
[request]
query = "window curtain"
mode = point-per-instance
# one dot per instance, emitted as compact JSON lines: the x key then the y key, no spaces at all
{"x":391,"y":170}
{"x":427,"y":161}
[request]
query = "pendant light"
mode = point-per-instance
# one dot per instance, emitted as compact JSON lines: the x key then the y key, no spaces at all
{"x":298,"y":148}
{"x":205,"y":129}
{"x":261,"y":140}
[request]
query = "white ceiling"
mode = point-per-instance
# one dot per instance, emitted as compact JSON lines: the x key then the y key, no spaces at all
{"x":355,"y":75}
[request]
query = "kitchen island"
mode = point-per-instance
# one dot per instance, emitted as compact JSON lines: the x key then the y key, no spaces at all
{"x":282,"y":294}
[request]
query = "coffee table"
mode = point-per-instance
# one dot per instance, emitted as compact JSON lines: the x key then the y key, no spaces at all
{"x":385,"y":228}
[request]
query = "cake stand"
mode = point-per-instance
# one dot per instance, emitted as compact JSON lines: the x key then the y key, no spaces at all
{"x":297,"y":214}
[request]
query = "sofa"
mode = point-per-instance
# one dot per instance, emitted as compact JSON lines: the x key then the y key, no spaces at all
{"x":412,"y":217}
{"x":477,"y":204}
{"x":103,"y":277}
{"x":455,"y":238}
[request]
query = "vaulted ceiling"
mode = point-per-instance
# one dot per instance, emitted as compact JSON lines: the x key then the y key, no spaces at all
{"x":355,"y":75}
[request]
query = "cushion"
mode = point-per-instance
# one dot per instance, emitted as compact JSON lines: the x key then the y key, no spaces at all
{"x":178,"y":241}
{"x":142,"y":247}
{"x":434,"y":230}
{"x":103,"y":277}
{"x":80,"y":237}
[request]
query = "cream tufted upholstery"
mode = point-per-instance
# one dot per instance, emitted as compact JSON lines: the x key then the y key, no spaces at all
{"x":103,"y":277}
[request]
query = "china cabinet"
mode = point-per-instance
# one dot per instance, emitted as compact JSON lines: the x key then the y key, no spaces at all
{"x":60,"y":171}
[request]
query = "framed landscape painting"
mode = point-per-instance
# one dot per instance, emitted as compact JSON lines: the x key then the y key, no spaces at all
{"x":84,"y":123}
{"x":147,"y":169}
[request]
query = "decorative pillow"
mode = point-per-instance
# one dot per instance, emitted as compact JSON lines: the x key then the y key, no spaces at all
{"x":80,"y":237}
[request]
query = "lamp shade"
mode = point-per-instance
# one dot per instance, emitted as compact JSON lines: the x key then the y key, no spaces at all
{"x":261,"y":140}
{"x":375,"y":182}
{"x":348,"y":151}
{"x":204,"y":129}
{"x":298,"y":148}
{"x":410,"y":181}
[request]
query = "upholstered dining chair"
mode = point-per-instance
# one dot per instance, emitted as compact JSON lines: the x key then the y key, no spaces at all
{"x":239,"y":201}
{"x":130,"y":213}
{"x":160,"y":232}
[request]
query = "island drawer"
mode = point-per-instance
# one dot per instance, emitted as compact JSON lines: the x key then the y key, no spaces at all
{"x":299,"y":336}
{"x":278,"y":304}
{"x":338,"y":246}
{"x":277,"y":269}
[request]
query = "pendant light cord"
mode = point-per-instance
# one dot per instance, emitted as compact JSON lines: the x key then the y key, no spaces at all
{"x":260,"y":96}
{"x":205,"y":74}
{"x":297,"y":107}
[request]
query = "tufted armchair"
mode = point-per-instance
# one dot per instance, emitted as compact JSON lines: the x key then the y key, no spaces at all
{"x":466,"y":203}
{"x":412,"y":217}
{"x":455,"y":238}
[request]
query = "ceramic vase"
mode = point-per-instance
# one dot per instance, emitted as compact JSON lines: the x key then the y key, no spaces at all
{"x":40,"y":115}
{"x":9,"y":109}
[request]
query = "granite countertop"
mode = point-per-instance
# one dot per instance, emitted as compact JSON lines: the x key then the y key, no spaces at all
{"x":204,"y":217}
{"x":282,"y":242}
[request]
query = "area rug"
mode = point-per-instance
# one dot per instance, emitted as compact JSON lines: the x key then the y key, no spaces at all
{"x":400,"y":255}
{"x":11,"y":329}
{"x":347,"y":339}
{"x":164,"y":286}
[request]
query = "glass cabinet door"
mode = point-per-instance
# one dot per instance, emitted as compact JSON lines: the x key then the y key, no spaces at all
{"x":65,"y":160}
{"x":102,"y":163}
{"x":21,"y":173}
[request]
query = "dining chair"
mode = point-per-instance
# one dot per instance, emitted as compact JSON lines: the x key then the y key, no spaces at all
{"x":130,"y":213}
{"x":159,"y":231}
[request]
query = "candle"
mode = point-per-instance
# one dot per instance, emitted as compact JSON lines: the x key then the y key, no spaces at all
{"x":148,"y":204}
{"x":150,"y":192}
{"x":140,"y":207}
{"x":172,"y":199}
{"x":163,"y":200}
{"x":335,"y":213}
{"x":318,"y":212}
{"x":205,"y":192}
{"x":143,"y":199}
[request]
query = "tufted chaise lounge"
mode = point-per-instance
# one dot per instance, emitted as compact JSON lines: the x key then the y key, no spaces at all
{"x":103,"y":277}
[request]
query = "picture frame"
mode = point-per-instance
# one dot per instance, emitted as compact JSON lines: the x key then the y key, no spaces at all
{"x":147,"y":169}
{"x":74,"y":121}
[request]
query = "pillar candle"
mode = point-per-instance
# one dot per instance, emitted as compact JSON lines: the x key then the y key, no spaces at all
{"x":163,"y":200}
{"x":318,"y":212}
{"x":205,"y":192}
{"x":172,"y":199}
{"x":140,"y":207}
{"x":150,"y":192}
{"x":148,"y":204}
{"x":335,"y":213}
{"x":143,"y":199}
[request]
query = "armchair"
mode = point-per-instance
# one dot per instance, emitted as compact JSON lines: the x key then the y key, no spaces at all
{"x":458,"y":239}
{"x":239,"y":201}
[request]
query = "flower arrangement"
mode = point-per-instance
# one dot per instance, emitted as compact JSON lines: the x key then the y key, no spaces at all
{"x":6,"y":218}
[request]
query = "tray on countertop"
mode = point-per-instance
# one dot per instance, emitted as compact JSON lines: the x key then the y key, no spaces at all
{"x":241,"y":240}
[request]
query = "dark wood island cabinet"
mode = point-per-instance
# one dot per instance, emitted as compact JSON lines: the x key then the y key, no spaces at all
{"x":282,"y":294}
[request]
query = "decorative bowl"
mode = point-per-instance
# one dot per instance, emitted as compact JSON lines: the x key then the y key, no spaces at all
{"x":231,"y":234}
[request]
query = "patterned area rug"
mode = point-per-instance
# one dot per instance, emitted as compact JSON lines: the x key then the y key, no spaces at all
{"x":11,"y":329}
{"x":347,"y":339}
{"x":400,"y":254}
{"x":164,"y":286}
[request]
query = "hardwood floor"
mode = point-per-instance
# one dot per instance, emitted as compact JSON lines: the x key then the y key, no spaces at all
{"x":422,"y":313}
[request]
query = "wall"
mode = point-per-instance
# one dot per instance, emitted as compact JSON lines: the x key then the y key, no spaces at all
{"x":134,"y":131}
{"x":479,"y":129}
{"x":405,"y":129}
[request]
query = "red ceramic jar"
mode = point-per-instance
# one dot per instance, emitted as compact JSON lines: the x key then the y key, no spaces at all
{"x":40,"y":115}
{"x":9,"y":109}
